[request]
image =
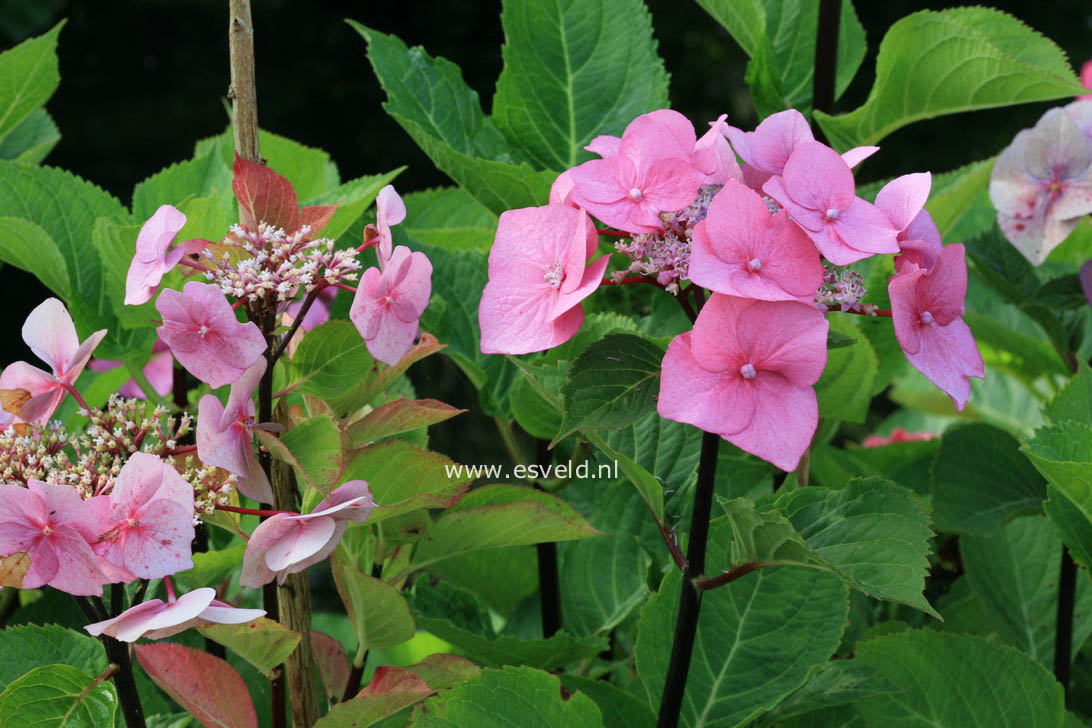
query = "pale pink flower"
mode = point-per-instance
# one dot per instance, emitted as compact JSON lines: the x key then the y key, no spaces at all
{"x":740,"y":249}
{"x":225,"y":437}
{"x":1086,"y":79}
{"x":388,"y":304}
{"x":389,"y":210}
{"x":152,"y":259}
{"x":927,"y":311}
{"x":159,"y":372}
{"x":746,"y":372}
{"x":713,"y":155}
{"x":50,"y":333}
{"x":156,"y":619}
{"x":817,"y":189}
{"x":148,"y":520}
{"x":203,"y":334}
{"x":288,"y":543}
{"x":1041,"y":185}
{"x":903,"y":201}
{"x":649,"y":173}
{"x":561,"y":191}
{"x":537,"y":279}
{"x":54,"y":526}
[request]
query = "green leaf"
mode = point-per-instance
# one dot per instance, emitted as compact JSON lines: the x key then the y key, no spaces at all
{"x":29,"y":247}
{"x":394,"y":418}
{"x":572,"y":72}
{"x":57,"y":696}
{"x":310,"y":170}
{"x":32,"y":140}
{"x":932,"y":63}
{"x":534,"y":413}
{"x":1063,"y":454}
{"x":514,"y":696}
{"x":352,"y":199}
{"x":28,"y":77}
{"x":981,"y":480}
{"x":955,"y":193}
{"x":448,"y":218}
{"x":836,"y":683}
{"x":496,"y":516}
{"x":650,"y":489}
{"x":404,"y":478}
{"x":331,"y":359}
{"x":956,"y":680}
{"x":429,"y":99}
{"x":210,"y":567}
{"x":845,"y":388}
{"x":116,"y":245}
{"x":458,"y":617}
{"x":611,"y":385}
{"x":204,"y":175}
{"x":745,"y":20}
{"x":379,"y":613}
{"x":501,"y":578}
{"x":264,"y":643}
{"x":872,"y":531}
{"x":766,"y":538}
{"x":620,"y":708}
{"x":1015,"y":574}
{"x":1074,"y":401}
{"x":28,"y":646}
{"x":313,"y":448}
{"x":759,"y":638}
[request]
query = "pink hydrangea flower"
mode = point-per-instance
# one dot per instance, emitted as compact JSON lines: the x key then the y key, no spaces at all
{"x":537,"y":279}
{"x":561,"y":191}
{"x":288,"y":543}
{"x":713,"y":155}
{"x":739,"y":249}
{"x":746,"y":373}
{"x":51,"y":335}
{"x":649,"y":173}
{"x":766,"y":150}
{"x":927,"y":311}
{"x":1041,"y":185}
{"x":159,"y":371}
{"x":388,"y":304}
{"x":389,"y":210}
{"x":817,"y":189}
{"x":225,"y":438}
{"x":148,"y":519}
{"x":153,"y":260}
{"x":54,"y":526}
{"x":903,"y":201}
{"x":1086,"y":78}
{"x":156,"y":619}
{"x":203,"y":334}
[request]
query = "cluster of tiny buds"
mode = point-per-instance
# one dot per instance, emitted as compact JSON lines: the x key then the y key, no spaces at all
{"x":844,"y":289}
{"x":278,"y":267}
{"x":665,"y":254}
{"x":211,"y":486}
{"x":35,"y":453}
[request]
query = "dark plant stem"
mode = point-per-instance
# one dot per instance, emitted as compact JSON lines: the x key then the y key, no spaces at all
{"x":117,"y":594}
{"x":1063,"y":636}
{"x":117,"y":653}
{"x":549,"y":583}
{"x":179,"y":386}
{"x":729,"y":576}
{"x":686,"y":623}
{"x":352,"y":686}
{"x":296,"y":323}
{"x":826,"y":60}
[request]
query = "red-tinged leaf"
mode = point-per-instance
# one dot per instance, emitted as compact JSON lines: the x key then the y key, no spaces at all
{"x":391,"y":680}
{"x":332,"y":663}
{"x":206,"y":686}
{"x":392,"y":689}
{"x":401,"y":415}
{"x":264,"y":196}
{"x":442,"y":671}
{"x":317,"y":216}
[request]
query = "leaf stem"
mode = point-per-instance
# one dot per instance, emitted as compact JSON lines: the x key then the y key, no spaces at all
{"x":826,"y":60}
{"x":549,"y":581}
{"x":686,"y":622}
{"x":118,"y":654}
{"x":1063,"y":635}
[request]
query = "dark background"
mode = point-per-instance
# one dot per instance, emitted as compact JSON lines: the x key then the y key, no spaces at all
{"x":142,"y":81}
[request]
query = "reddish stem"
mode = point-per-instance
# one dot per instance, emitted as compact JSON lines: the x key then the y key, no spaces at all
{"x":235,"y":306}
{"x":181,"y":450}
{"x":882,"y":313}
{"x":345,"y":287}
{"x":253,"y":511}
{"x":629,"y":281}
{"x":614,"y":233}
{"x":74,"y":393}
{"x":195,"y":266}
{"x":170,"y":588}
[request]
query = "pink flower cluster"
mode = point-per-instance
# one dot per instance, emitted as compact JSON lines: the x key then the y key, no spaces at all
{"x":755,"y":236}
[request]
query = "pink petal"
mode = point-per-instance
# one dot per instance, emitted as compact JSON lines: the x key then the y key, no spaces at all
{"x":818,"y":179}
{"x":160,"y":544}
{"x":40,"y":408}
{"x":353,"y":496}
{"x":920,"y":243}
{"x":773,"y":434}
{"x":718,"y":402}
{"x":413,"y":291}
{"x":80,"y":358}
{"x":659,"y":134}
{"x":66,"y":507}
{"x":306,"y":538}
{"x":392,"y":340}
{"x":855,"y":156}
{"x":604,"y":145}
{"x":50,"y":334}
{"x":169,"y":619}
{"x":866,"y":230}
{"x":561,"y":191}
{"x":947,"y":356}
{"x":903,"y":198}
{"x":255,"y":573}
{"x":589,"y":279}
{"x":240,"y":402}
{"x":943,"y":289}
{"x":670,"y":184}
{"x":77,"y":565}
{"x":786,"y":337}
{"x":769,"y":147}
{"x":129,"y":622}
{"x":905,"y":308}
{"x":390,"y":210}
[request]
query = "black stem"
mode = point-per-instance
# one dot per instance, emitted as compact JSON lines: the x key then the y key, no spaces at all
{"x":118,"y":653}
{"x":549,"y":582}
{"x":352,"y":687}
{"x":686,"y":623}
{"x":141,"y":592}
{"x":1063,"y":636}
{"x":826,"y":60}
{"x":179,"y":386}
{"x":117,"y":594}
{"x":296,"y":323}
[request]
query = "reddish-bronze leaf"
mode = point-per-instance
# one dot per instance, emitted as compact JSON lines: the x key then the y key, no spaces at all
{"x":332,"y":663}
{"x":401,"y":415}
{"x":206,"y":686}
{"x":264,"y":196}
{"x":317,"y":216}
{"x":12,"y":400}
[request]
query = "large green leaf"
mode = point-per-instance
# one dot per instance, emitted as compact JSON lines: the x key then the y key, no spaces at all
{"x":352,"y":199}
{"x":836,"y":683}
{"x":1015,"y":574}
{"x":620,"y":708}
{"x":513,"y":696}
{"x":331,"y":359}
{"x":956,"y":196}
{"x":1074,"y":401}
{"x":932,"y":63}
{"x":377,"y":610}
{"x":314,"y":448}
{"x":32,"y":140}
{"x":27,"y":246}
{"x":612,"y":384}
{"x":203,"y":175}
{"x":845,"y":388}
{"x":573,"y":70}
{"x":1063,"y":454}
{"x":759,"y":638}
{"x":981,"y":480}
{"x":956,"y":680}
{"x":745,"y":20}
{"x":28,"y":77}
{"x":263,"y":642}
{"x":58,"y":696}
{"x":404,"y":478}
{"x":448,"y":218}
{"x":28,"y":646}
{"x":310,"y":170}
{"x":429,"y":99}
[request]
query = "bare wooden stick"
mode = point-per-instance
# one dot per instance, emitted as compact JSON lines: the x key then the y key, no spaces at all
{"x":243,"y":92}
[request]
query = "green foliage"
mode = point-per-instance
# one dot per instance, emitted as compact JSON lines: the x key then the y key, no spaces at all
{"x":845,"y":388}
{"x":404,"y":478}
{"x":29,"y":646}
{"x":933,"y":63}
{"x":448,"y":218}
{"x":1063,"y":454}
{"x":313,"y":448}
{"x":262,"y":642}
{"x":58,"y":696}
{"x":32,"y":140}
{"x":572,"y":72}
{"x":378,"y":612}
{"x":28,"y":77}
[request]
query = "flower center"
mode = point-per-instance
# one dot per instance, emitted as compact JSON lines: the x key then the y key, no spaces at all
{"x":46,"y":530}
{"x":755,"y":265}
{"x":389,"y":299}
{"x":747,"y":371}
{"x":635,"y":194}
{"x":132,"y":522}
{"x":832,"y":213}
{"x":926,"y":318}
{"x":553,"y":275}
{"x":203,"y":330}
